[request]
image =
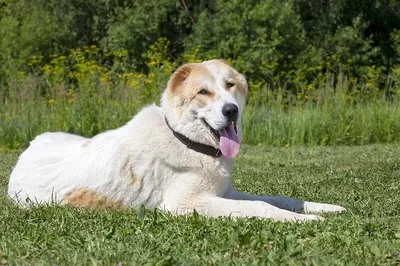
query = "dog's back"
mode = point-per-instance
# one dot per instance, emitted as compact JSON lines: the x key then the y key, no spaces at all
{"x":115,"y":164}
{"x":44,"y":153}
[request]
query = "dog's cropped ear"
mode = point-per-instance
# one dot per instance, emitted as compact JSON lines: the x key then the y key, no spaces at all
{"x":179,"y":77}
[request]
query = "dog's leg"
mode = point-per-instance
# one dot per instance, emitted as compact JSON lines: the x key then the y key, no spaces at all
{"x":217,"y":207}
{"x":285,"y":202}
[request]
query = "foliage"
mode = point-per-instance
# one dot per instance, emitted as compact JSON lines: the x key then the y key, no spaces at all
{"x":288,"y":40}
{"x":372,"y":23}
{"x":260,"y":37}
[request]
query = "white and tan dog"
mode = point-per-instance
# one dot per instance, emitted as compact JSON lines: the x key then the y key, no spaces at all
{"x":177,"y":157}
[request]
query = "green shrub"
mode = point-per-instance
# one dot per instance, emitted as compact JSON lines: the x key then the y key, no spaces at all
{"x":288,"y":41}
{"x":261,"y":38}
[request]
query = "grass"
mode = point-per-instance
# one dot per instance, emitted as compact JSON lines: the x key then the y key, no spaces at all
{"x":364,"y":179}
{"x":338,"y":124}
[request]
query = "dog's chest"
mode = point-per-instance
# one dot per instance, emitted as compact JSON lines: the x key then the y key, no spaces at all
{"x":214,"y":176}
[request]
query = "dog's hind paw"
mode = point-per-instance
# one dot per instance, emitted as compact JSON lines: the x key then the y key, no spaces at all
{"x":312,"y":207}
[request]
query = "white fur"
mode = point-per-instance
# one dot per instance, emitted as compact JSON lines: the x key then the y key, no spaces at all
{"x":171,"y":176}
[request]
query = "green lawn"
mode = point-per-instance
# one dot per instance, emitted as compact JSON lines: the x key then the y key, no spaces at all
{"x":364,"y":179}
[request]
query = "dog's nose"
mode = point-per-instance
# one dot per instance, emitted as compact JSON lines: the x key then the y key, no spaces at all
{"x":231,"y":111}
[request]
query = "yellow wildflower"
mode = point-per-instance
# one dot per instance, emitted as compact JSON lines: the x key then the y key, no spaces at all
{"x":132,"y":83}
{"x":46,"y":68}
{"x":194,"y":61}
{"x":51,"y":101}
{"x":151,"y":75}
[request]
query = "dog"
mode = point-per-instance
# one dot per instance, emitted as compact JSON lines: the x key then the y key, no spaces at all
{"x":177,"y":157}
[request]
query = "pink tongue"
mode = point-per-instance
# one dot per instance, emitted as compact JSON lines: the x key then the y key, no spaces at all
{"x":229,"y":142}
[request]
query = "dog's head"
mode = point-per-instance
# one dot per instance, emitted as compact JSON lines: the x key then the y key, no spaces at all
{"x":204,"y":102}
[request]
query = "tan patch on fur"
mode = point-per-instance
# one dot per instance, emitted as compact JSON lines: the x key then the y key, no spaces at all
{"x":192,"y":87}
{"x":187,"y":89}
{"x":136,"y":180}
{"x":242,"y":87}
{"x":239,"y":79}
{"x":87,"y":198}
{"x":211,"y":94}
{"x":187,"y":81}
{"x":127,"y":168}
{"x":179,"y":77}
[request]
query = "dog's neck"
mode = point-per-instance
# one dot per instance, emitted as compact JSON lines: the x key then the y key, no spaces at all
{"x":191,"y":128}
{"x":193,"y":145}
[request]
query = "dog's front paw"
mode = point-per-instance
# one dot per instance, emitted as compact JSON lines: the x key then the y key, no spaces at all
{"x":310,"y":207}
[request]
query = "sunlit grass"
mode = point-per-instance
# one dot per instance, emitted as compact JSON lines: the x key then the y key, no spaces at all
{"x":364,"y":179}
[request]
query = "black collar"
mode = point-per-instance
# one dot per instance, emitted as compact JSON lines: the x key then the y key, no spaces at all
{"x":199,"y":147}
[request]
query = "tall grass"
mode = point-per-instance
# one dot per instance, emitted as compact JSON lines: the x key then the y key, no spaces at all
{"x":336,"y":111}
{"x":335,"y":125}
{"x":78,"y":95}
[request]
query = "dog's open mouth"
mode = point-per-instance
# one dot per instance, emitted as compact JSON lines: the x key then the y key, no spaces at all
{"x":227,"y":137}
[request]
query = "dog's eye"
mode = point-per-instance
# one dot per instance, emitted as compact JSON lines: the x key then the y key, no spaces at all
{"x":204,"y":92}
{"x":229,"y":85}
